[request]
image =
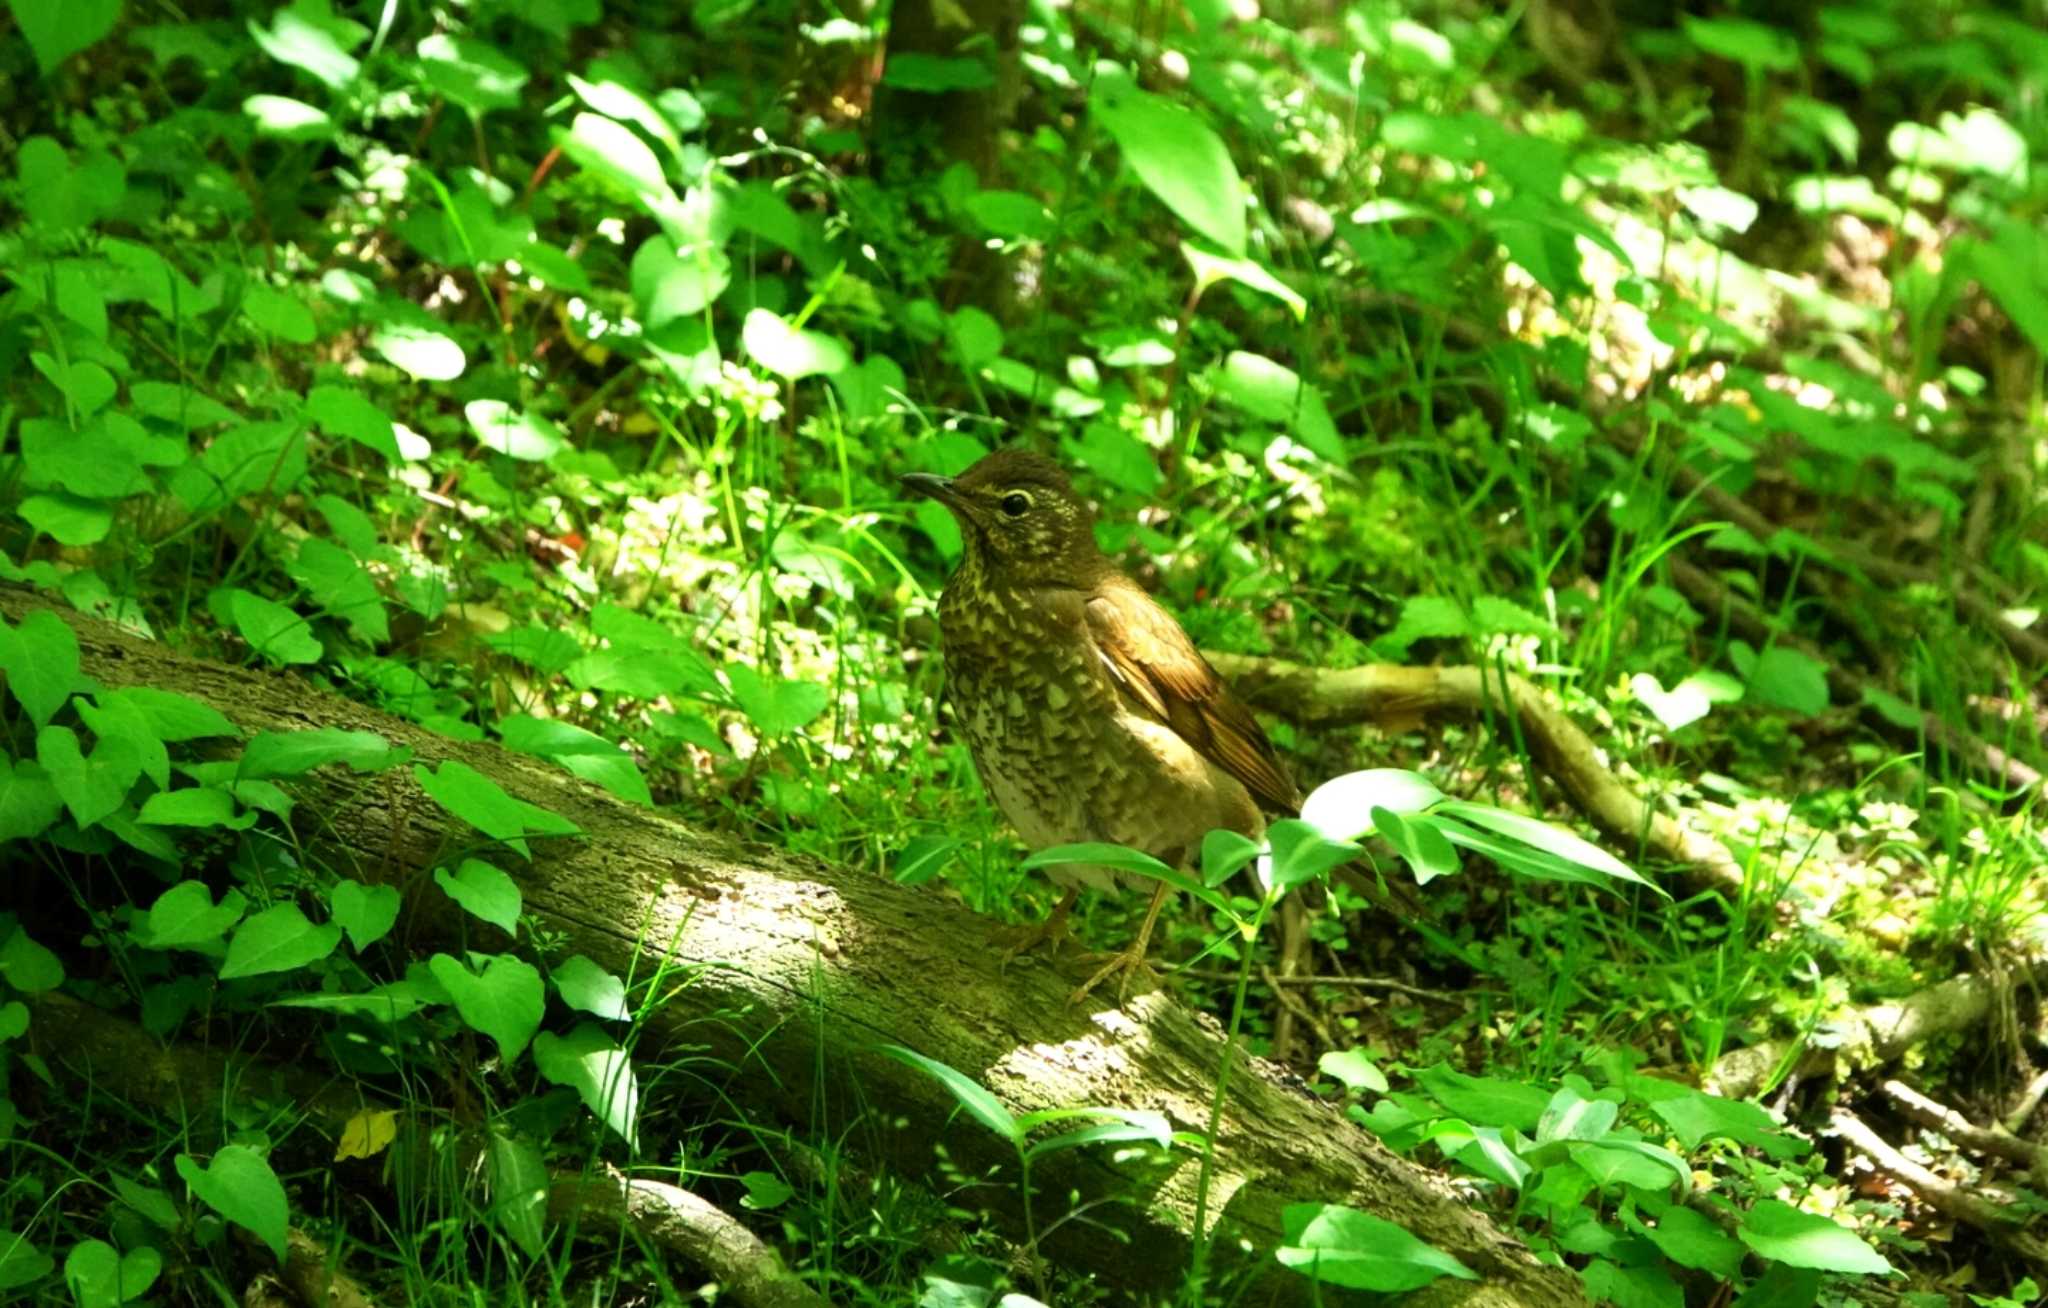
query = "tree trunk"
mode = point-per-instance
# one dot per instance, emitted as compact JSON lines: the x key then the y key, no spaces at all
{"x":798,"y":970}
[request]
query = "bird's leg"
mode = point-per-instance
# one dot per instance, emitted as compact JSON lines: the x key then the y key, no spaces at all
{"x":1053,"y":930}
{"x":1130,"y":960}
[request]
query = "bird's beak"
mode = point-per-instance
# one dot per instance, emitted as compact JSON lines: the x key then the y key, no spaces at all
{"x":932,"y":485}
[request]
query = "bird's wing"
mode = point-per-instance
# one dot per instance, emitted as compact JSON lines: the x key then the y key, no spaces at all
{"x":1155,"y":663}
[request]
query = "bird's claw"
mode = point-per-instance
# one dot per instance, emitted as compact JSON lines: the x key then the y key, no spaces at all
{"x":1124,"y":964}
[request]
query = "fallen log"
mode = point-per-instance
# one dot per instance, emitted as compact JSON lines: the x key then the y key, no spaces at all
{"x":796,"y":971}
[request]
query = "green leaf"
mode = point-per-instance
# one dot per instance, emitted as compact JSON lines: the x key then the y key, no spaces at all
{"x":346,"y":412}
{"x":1354,"y":1069}
{"x":91,"y":788}
{"x":1632,"y":1287}
{"x":295,"y":753}
{"x":1225,"y":854}
{"x":591,"y":1063}
{"x":1486,"y":1100}
{"x":1788,"y":679}
{"x":342,"y":587}
{"x":930,"y":74}
{"x":240,"y":1186}
{"x":474,"y":74}
{"x":1633,"y":1163}
{"x":513,"y":433}
{"x":100,"y":1276}
{"x":313,"y":43}
{"x":776,"y":708}
{"x":67,"y":519}
{"x":791,"y":352}
{"x":1691,"y":1240}
{"x":982,"y":1106}
{"x":1550,"y":839}
{"x":1752,"y":45}
{"x":483,"y":803}
{"x":29,"y":803}
{"x":586,"y":986}
{"x":519,"y":1192}
{"x":1178,"y":157}
{"x":1342,"y":1246}
{"x":277,"y":940}
{"x":1572,"y":1116}
{"x":367,"y":913}
{"x":765,"y":1191}
{"x":1274,"y":393}
{"x":612,"y":151}
{"x":484,"y":892}
{"x":1421,"y":844}
{"x":923,"y":858}
{"x":21,"y":1263}
{"x":1777,"y":1230}
{"x":56,"y":31}
{"x":1122,"y":859}
{"x":172,"y":716}
{"x":669,"y":284}
{"x":27,"y":966}
{"x":504,"y":1003}
{"x":274,"y":631}
{"x":282,"y":118}
{"x":422,"y":353}
{"x":1302,"y":854}
{"x":1131,"y":1126}
{"x":185,"y":917}
{"x":192,"y":806}
{"x":277,"y":314}
{"x":1211,"y":268}
{"x":614,"y":99}
{"x":40,"y":658}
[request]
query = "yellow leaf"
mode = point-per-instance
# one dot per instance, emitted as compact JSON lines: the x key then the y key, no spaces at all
{"x":367,"y":1135}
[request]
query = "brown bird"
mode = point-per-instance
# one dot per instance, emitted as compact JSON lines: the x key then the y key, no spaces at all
{"x":1090,"y":714}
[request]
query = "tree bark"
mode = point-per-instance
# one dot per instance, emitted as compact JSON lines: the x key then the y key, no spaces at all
{"x":789,"y":973}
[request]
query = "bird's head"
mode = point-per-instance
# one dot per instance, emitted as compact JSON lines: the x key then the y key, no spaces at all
{"x":1019,"y":517}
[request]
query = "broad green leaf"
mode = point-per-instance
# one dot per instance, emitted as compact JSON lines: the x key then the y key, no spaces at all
{"x":1572,"y":1116}
{"x":366,"y":912}
{"x":1122,"y":859}
{"x":29,"y":803}
{"x":1130,"y":1126}
{"x":669,"y":284}
{"x":923,"y":858}
{"x":282,"y":118}
{"x":930,"y":74}
{"x":616,"y":100}
{"x":791,"y":352}
{"x":276,"y":632}
{"x":504,"y":1003}
{"x":1489,"y":1101}
{"x":1225,"y":854}
{"x":1421,"y":845}
{"x":1695,"y":1117}
{"x":765,"y":1191}
{"x":1691,"y":1240}
{"x":28,"y":966}
{"x":67,"y":519}
{"x":483,"y":803}
{"x":484,"y":892}
{"x":346,"y":412}
{"x":972,"y":1096}
{"x":1789,"y":679}
{"x":1632,"y":1287}
{"x":294,"y":753}
{"x":612,"y":151}
{"x":1302,"y":854}
{"x":1615,"y":1161}
{"x":277,"y":314}
{"x":171,"y":716}
{"x":1211,"y":267}
{"x":55,"y":31}
{"x":1741,"y":41}
{"x":422,"y":353}
{"x":40,"y":658}
{"x":1354,"y":1069}
{"x":192,"y":806}
{"x":316,"y":48}
{"x":474,"y":74}
{"x":185,"y":917}
{"x":342,"y":587}
{"x":1274,"y":393}
{"x":1777,"y":1230}
{"x":586,"y":986}
{"x":519,"y":1192}
{"x":1342,"y":1246}
{"x":277,"y":940}
{"x":240,"y":1185}
{"x":1176,"y":155}
{"x":591,"y":1063}
{"x":514,"y":433}
{"x":21,"y":1263}
{"x":100,"y":1276}
{"x":92,"y":788}
{"x":1550,"y":839}
{"x":776,"y":708}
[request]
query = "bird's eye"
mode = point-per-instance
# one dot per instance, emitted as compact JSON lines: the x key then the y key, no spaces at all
{"x":1016,"y":504}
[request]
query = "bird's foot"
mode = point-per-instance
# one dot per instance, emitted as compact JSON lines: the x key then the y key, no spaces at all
{"x":1052,"y":931}
{"x":1123,"y":965}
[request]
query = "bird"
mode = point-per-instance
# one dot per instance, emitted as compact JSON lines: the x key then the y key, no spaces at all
{"x":1089,"y":713}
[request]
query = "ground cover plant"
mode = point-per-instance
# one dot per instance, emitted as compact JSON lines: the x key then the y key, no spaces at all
{"x":480,"y":818}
